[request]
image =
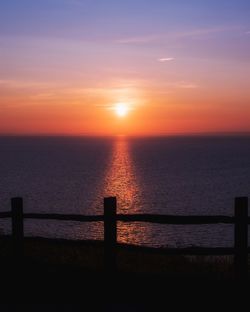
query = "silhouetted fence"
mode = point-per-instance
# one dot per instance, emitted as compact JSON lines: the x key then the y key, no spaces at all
{"x":110,"y":217}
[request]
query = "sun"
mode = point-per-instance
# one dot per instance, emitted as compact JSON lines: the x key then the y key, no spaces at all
{"x":121,"y":109}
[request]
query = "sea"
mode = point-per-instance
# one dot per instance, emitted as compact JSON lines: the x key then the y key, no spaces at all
{"x":176,"y":175}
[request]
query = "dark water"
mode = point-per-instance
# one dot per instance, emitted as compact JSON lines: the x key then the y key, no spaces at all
{"x":175,"y":175}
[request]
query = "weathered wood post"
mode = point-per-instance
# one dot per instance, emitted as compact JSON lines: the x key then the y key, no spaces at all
{"x":17,"y":227}
{"x":110,"y":234}
{"x":241,"y":237}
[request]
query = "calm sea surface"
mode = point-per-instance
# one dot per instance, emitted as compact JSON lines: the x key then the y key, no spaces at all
{"x":175,"y":175}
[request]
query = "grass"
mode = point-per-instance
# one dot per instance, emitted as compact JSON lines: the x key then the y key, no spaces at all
{"x":63,"y":271}
{"x":88,"y":256}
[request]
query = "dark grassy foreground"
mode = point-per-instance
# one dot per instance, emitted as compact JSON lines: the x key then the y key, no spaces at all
{"x":71,"y":273}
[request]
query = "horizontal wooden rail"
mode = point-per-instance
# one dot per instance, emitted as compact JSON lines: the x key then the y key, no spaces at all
{"x":151,"y":218}
{"x":170,"y":219}
{"x":5,"y":214}
{"x":66,"y":217}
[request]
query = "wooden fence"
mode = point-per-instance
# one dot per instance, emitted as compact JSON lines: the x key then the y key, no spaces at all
{"x":110,"y":217}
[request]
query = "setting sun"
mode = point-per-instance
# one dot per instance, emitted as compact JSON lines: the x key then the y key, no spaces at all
{"x":121,"y":109}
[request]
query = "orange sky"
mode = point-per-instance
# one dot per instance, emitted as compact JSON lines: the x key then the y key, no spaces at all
{"x":188,"y":73}
{"x":183,"y":109}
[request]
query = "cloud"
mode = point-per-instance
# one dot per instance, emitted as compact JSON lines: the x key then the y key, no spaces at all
{"x":138,"y":40}
{"x":180,"y":85}
{"x":177,"y":35}
{"x":247,"y":32}
{"x":165,"y":59}
{"x":205,"y":31}
{"x":186,"y":85}
{"x":17,"y":84}
{"x":43,"y":96}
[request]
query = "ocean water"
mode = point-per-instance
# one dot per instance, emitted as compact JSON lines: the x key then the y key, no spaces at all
{"x":165,"y":175}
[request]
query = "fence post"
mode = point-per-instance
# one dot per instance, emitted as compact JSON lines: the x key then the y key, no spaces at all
{"x":17,"y":227}
{"x":110,"y":234}
{"x":241,"y":237}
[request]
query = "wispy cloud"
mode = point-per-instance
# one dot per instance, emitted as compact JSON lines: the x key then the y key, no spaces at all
{"x":186,"y":85}
{"x":139,"y":39}
{"x":23,"y":84}
{"x":183,"y":85}
{"x":165,"y":59}
{"x":206,"y":31}
{"x":176,"y":35}
{"x":43,"y":96}
{"x":247,"y":32}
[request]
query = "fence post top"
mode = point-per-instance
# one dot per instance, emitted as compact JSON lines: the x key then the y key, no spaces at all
{"x":17,"y":200}
{"x":241,"y":202}
{"x":242,"y":198}
{"x":110,"y":200}
{"x":110,"y":206}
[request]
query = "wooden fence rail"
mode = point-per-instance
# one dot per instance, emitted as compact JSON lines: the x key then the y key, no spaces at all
{"x":240,"y":220}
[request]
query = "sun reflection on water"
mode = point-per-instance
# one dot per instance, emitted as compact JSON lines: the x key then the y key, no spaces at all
{"x":121,"y":181}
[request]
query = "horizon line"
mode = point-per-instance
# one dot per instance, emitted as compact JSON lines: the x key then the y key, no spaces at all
{"x":177,"y":134}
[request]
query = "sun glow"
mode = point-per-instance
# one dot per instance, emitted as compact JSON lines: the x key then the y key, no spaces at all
{"x":121,"y":109}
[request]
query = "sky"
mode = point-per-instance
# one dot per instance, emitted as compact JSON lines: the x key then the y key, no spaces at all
{"x":178,"y":66}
